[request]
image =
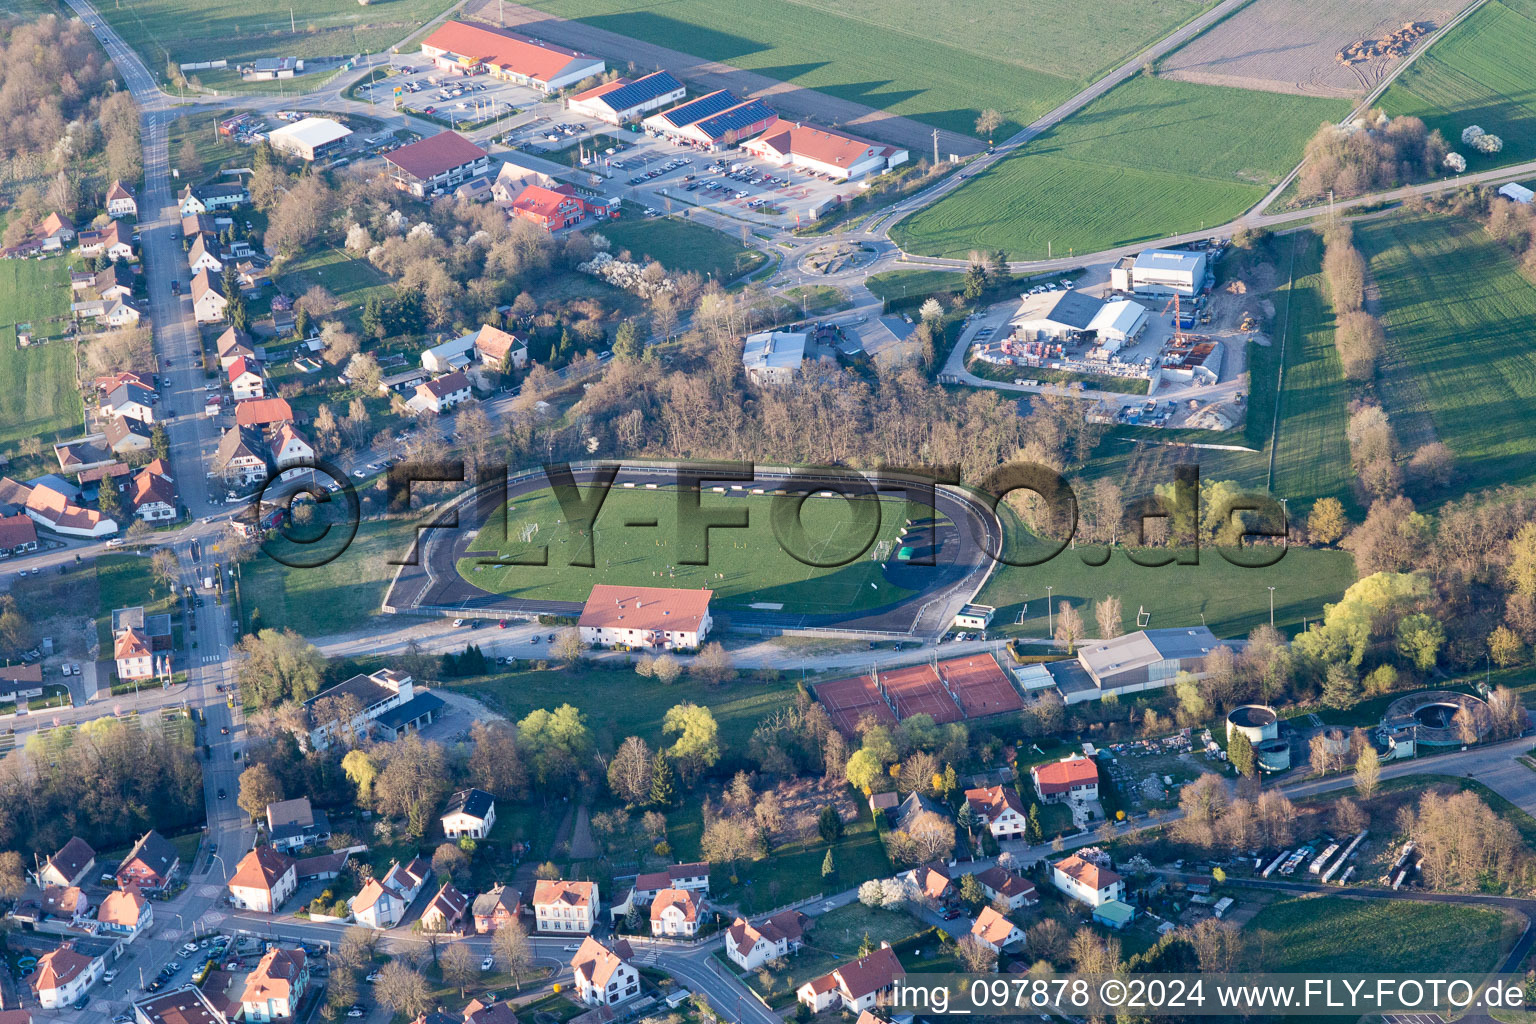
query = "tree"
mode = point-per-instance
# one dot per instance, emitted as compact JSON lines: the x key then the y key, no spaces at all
{"x":13,"y":875}
{"x":627,"y":343}
{"x":666,"y":669}
{"x":557,"y":744}
{"x":698,"y":742}
{"x":1341,"y":687}
{"x":1048,"y":938}
{"x":402,"y":988}
{"x":258,"y":787}
{"x":1419,"y":639}
{"x":629,"y":773}
{"x":278,"y":666}
{"x":931,"y":312}
{"x":1240,"y":753}
{"x":160,"y":442}
{"x":1326,"y":523}
{"x":975,"y":282}
{"x":567,"y":646}
{"x":1069,"y":627}
{"x":460,"y":966}
{"x":340,"y":991}
{"x":977,"y":956}
{"x":968,"y":819}
{"x":164,"y":565}
{"x":828,"y":865}
{"x":372,"y":317}
{"x":662,"y":790}
{"x":1505,"y":646}
{"x":1109,"y":617}
{"x":108,"y":498}
{"x":829,"y":824}
{"x":862,"y":769}
{"x":1367,"y":772}
{"x":871,"y":892}
{"x":1218,"y":945}
{"x":971,"y":891}
{"x":450,"y":862}
{"x":988,"y":124}
{"x":496,"y":765}
{"x":713,"y":665}
{"x":361,"y":770}
{"x":512,"y":950}
{"x":1521,"y":570}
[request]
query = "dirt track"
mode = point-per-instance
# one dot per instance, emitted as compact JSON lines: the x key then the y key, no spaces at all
{"x":1289,"y":45}
{"x":707,"y":75}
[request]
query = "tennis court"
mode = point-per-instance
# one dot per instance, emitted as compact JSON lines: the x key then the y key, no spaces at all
{"x":980,"y":686}
{"x":917,"y":690}
{"x":848,"y":700}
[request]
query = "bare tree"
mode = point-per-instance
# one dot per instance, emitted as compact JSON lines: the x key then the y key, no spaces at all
{"x":629,"y":773}
{"x":1069,"y":627}
{"x":1109,"y":617}
{"x":512,"y":950}
{"x":460,"y":967}
{"x":402,"y":988}
{"x":977,"y":956}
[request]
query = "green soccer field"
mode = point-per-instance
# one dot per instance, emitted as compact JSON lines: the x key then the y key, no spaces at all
{"x":187,"y":31}
{"x":1461,"y":318}
{"x":747,"y":568}
{"x":939,"y":63}
{"x":38,"y":396}
{"x":1480,"y":73}
{"x":1150,"y":158}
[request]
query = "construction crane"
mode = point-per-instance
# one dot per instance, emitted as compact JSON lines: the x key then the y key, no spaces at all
{"x":1178,"y":329}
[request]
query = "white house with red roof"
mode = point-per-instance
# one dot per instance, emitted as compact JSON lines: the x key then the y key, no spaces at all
{"x":822,"y":151}
{"x":436,"y":164}
{"x":277,"y":985}
{"x":495,"y":347}
{"x":1071,"y":778}
{"x":47,"y":507}
{"x":473,"y":49}
{"x":1000,"y":809}
{"x":112,"y":241}
{"x":622,"y":100}
{"x":645,"y":617}
{"x":551,"y":208}
{"x":752,"y":945}
{"x":289,"y":449}
{"x":134,"y":655}
{"x":125,"y":912}
{"x":604,"y":975}
{"x":564,"y":907}
{"x":694,"y":877}
{"x":675,"y":913}
{"x":245,"y":381}
{"x":383,"y":901}
{"x":1001,"y":884}
{"x":1086,"y":877}
{"x":440,"y":394}
{"x":447,"y":911}
{"x":263,"y":879}
{"x":152,"y":495}
{"x":995,"y":931}
{"x":63,"y":975}
{"x":208,"y":301}
{"x":54,"y":232}
{"x":855,"y":986}
{"x":121,"y":201}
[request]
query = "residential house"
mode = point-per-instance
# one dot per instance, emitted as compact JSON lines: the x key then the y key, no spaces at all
{"x":1070,"y":779}
{"x":135,"y":658}
{"x":482,"y":1011}
{"x":470,"y":812}
{"x":1086,"y":877}
{"x":114,"y":281}
{"x":244,"y":380}
{"x":112,"y":242}
{"x":125,"y":912}
{"x":496,"y":907}
{"x":750,"y":946}
{"x":565,"y":907}
{"x":126,"y":435}
{"x":294,"y":824}
{"x":121,"y":314}
{"x":995,"y":931}
{"x":17,"y":681}
{"x":383,"y":901}
{"x":70,"y":866}
{"x":121,"y":201}
{"x":153,"y":493}
{"x":205,"y":254}
{"x":446,"y":912}
{"x":932,"y":880}
{"x":241,"y":459}
{"x":604,"y":976}
{"x":66,"y":903}
{"x":998,"y":808}
{"x":291,"y":451}
{"x":855,"y":986}
{"x":210,"y":197}
{"x":18,"y":535}
{"x":645,"y":617}
{"x":184,"y":1005}
{"x":263,"y":879}
{"x":552,"y":208}
{"x":440,"y":395}
{"x":250,"y":274}
{"x":379,"y":703}
{"x":916,"y":804}
{"x":275,"y":988}
{"x":1001,"y":884}
{"x":263,"y":412}
{"x":675,"y":914}
{"x":694,"y":877}
{"x":194,"y":224}
{"x":497,"y":348}
{"x":48,"y":507}
{"x":234,"y":344}
{"x":208,"y":301}
{"x":63,"y":976}
{"x":55,"y":232}
{"x":513,"y":178}
{"x":132,"y":400}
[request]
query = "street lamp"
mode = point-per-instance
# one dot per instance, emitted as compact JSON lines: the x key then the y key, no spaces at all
{"x":1271,"y":607}
{"x":1050,"y":621}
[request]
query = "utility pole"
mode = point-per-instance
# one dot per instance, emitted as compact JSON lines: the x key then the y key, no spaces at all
{"x":1050,"y":619}
{"x":293,"y":26}
{"x":935,"y":147}
{"x":1271,"y":607}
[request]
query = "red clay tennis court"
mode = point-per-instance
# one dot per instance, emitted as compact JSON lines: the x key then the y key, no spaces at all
{"x":848,"y":700}
{"x":916,"y":690}
{"x":980,"y":686}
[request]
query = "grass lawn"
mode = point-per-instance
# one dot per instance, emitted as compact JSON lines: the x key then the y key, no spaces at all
{"x":746,"y":567}
{"x":1230,"y":600}
{"x":333,"y":598}
{"x":351,"y":280}
{"x":214,"y":150}
{"x":681,"y":246}
{"x":123,"y":581}
{"x":1481,"y":74}
{"x":1339,"y":935}
{"x":175,"y":30}
{"x":1152,"y":157}
{"x":1460,"y":317}
{"x":834,"y":939}
{"x":618,"y":703}
{"x":939,"y":63}
{"x":38,"y":397}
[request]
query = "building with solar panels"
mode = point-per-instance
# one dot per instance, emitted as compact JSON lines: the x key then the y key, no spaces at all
{"x":623,"y":100}
{"x":717,"y":120}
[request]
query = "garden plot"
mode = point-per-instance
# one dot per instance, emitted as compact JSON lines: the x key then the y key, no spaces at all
{"x":1290,"y":45}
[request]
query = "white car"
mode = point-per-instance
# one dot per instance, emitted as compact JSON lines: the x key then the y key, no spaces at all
{"x":109,"y":976}
{"x":488,"y":963}
{"x":458,"y":622}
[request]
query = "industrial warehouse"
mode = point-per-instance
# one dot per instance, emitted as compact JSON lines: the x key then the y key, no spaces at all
{"x":472,"y":49}
{"x":622,"y":101}
{"x":822,"y":151}
{"x":713,"y":121}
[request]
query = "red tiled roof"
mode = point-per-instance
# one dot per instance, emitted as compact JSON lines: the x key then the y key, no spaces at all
{"x":596,"y":962}
{"x":993,"y":801}
{"x":433,"y":156}
{"x":17,"y":530}
{"x":130,"y":644}
{"x":445,"y":385}
{"x":494,"y":343}
{"x":503,"y":50}
{"x":1061,"y":776}
{"x":645,"y":608}
{"x":261,"y":869}
{"x":256,"y":412}
{"x":600,"y":90}
{"x":152,"y":484}
{"x":573,"y":894}
{"x":682,"y":899}
{"x":819,"y":144}
{"x":870,"y":973}
{"x":992,"y":927}
{"x":58,"y":968}
{"x":1087,"y":872}
{"x":53,"y":223}
{"x":122,"y":907}
{"x":119,"y":191}
{"x":275,"y":976}
{"x":543,"y":202}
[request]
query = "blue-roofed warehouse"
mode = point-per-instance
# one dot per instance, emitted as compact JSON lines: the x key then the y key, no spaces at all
{"x":713,"y":121}
{"x":623,"y":100}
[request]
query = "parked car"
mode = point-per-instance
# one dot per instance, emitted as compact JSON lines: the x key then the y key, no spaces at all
{"x":488,"y":963}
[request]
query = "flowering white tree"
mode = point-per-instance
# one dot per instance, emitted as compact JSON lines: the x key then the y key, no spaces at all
{"x":1455,"y":162}
{"x":897,"y":893}
{"x":358,"y":240}
{"x":1469,"y":133}
{"x":871,"y":893}
{"x":1487,"y":143}
{"x":931,"y":312}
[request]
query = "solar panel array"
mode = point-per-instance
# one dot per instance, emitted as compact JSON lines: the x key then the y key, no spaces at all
{"x":685,"y":114}
{"x":639,"y":91}
{"x":736,"y":119}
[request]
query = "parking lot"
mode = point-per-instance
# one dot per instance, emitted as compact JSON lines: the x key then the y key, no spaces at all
{"x":425,"y":89}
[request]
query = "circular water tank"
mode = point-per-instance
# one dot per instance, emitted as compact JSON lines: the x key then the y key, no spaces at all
{"x":1336,"y":740}
{"x":1273,"y":755}
{"x":1256,"y":721}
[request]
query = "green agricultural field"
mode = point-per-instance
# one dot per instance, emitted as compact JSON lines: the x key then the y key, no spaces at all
{"x":1480,"y":73}
{"x":1150,"y":158}
{"x":939,"y":63}
{"x":1459,"y":319}
{"x":746,"y":567}
{"x":681,"y":246}
{"x":166,"y":31}
{"x":1334,"y":934}
{"x":38,"y":397}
